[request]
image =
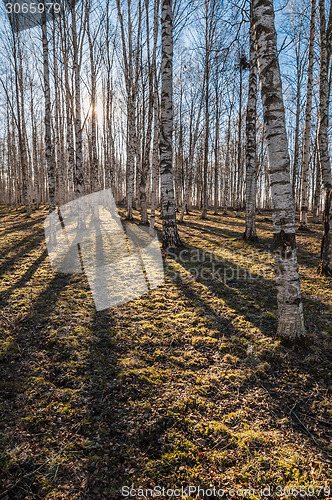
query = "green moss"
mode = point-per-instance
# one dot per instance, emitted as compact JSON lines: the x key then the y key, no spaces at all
{"x":8,"y":349}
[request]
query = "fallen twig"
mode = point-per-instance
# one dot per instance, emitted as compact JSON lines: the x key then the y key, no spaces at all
{"x":7,"y":320}
{"x":292,"y":412}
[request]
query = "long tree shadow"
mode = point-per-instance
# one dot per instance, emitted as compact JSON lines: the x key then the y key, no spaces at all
{"x":24,"y":279}
{"x":305,"y":256}
{"x":25,"y":246}
{"x":252,"y":296}
{"x":257,"y":305}
{"x":26,"y":376}
{"x":24,"y":224}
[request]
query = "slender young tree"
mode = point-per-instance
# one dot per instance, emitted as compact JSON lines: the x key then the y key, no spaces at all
{"x":69,"y":109}
{"x":227,"y":153}
{"x":297,"y":33}
{"x":94,"y":167}
{"x":34,"y":148}
{"x":78,"y":176}
{"x":290,"y":310}
{"x":251,"y":163}
{"x":307,"y":124}
{"x":170,"y":232}
{"x":151,"y":63}
{"x":49,"y":152}
{"x":190,"y":161}
{"x":131,"y":66}
{"x":325,"y":266}
{"x":243,"y":65}
{"x":20,"y":121}
{"x":217,"y":135}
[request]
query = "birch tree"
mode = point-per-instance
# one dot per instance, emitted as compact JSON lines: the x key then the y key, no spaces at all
{"x":50,"y":162}
{"x":251,"y":164}
{"x":95,"y":183}
{"x":20,"y":121}
{"x":170,"y":232}
{"x":325,"y":266}
{"x":131,"y":74}
{"x":217,"y":136}
{"x":151,"y":62}
{"x":307,"y":124}
{"x":290,"y":310}
{"x":78,"y":176}
{"x":69,"y":107}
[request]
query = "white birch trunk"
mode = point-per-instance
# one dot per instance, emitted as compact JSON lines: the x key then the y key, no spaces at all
{"x":78,"y":175}
{"x":95,"y":184}
{"x":170,"y":232}
{"x":325,"y":266}
{"x":49,"y":153}
{"x":307,"y":124}
{"x":34,"y":149}
{"x":290,"y":310}
{"x":21,"y":123}
{"x":251,"y":161}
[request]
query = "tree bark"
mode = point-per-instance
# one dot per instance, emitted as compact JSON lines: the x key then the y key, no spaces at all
{"x":325,"y":266}
{"x":94,"y":168}
{"x":290,"y":310}
{"x":170,"y":232}
{"x":307,"y":124}
{"x":78,"y":176}
{"x":21,"y":122}
{"x":251,"y":161}
{"x":49,"y":153}
{"x":216,"y":142}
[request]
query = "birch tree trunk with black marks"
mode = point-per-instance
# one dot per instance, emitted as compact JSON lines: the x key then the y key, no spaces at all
{"x":170,"y":232}
{"x":290,"y":310}
{"x":131,"y":74}
{"x":151,"y":61}
{"x":325,"y":266}
{"x":307,"y":124}
{"x":49,"y":153}
{"x":251,"y":161}
{"x":70,"y":153}
{"x":58,"y":149}
{"x":20,"y":122}
{"x":318,"y":191}
{"x":155,"y":163}
{"x":78,"y":175}
{"x":95,"y":184}
{"x":156,"y":125}
{"x":34,"y":148}
{"x":207,"y":27}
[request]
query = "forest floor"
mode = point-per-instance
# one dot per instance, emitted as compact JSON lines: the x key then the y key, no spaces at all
{"x":186,"y":385}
